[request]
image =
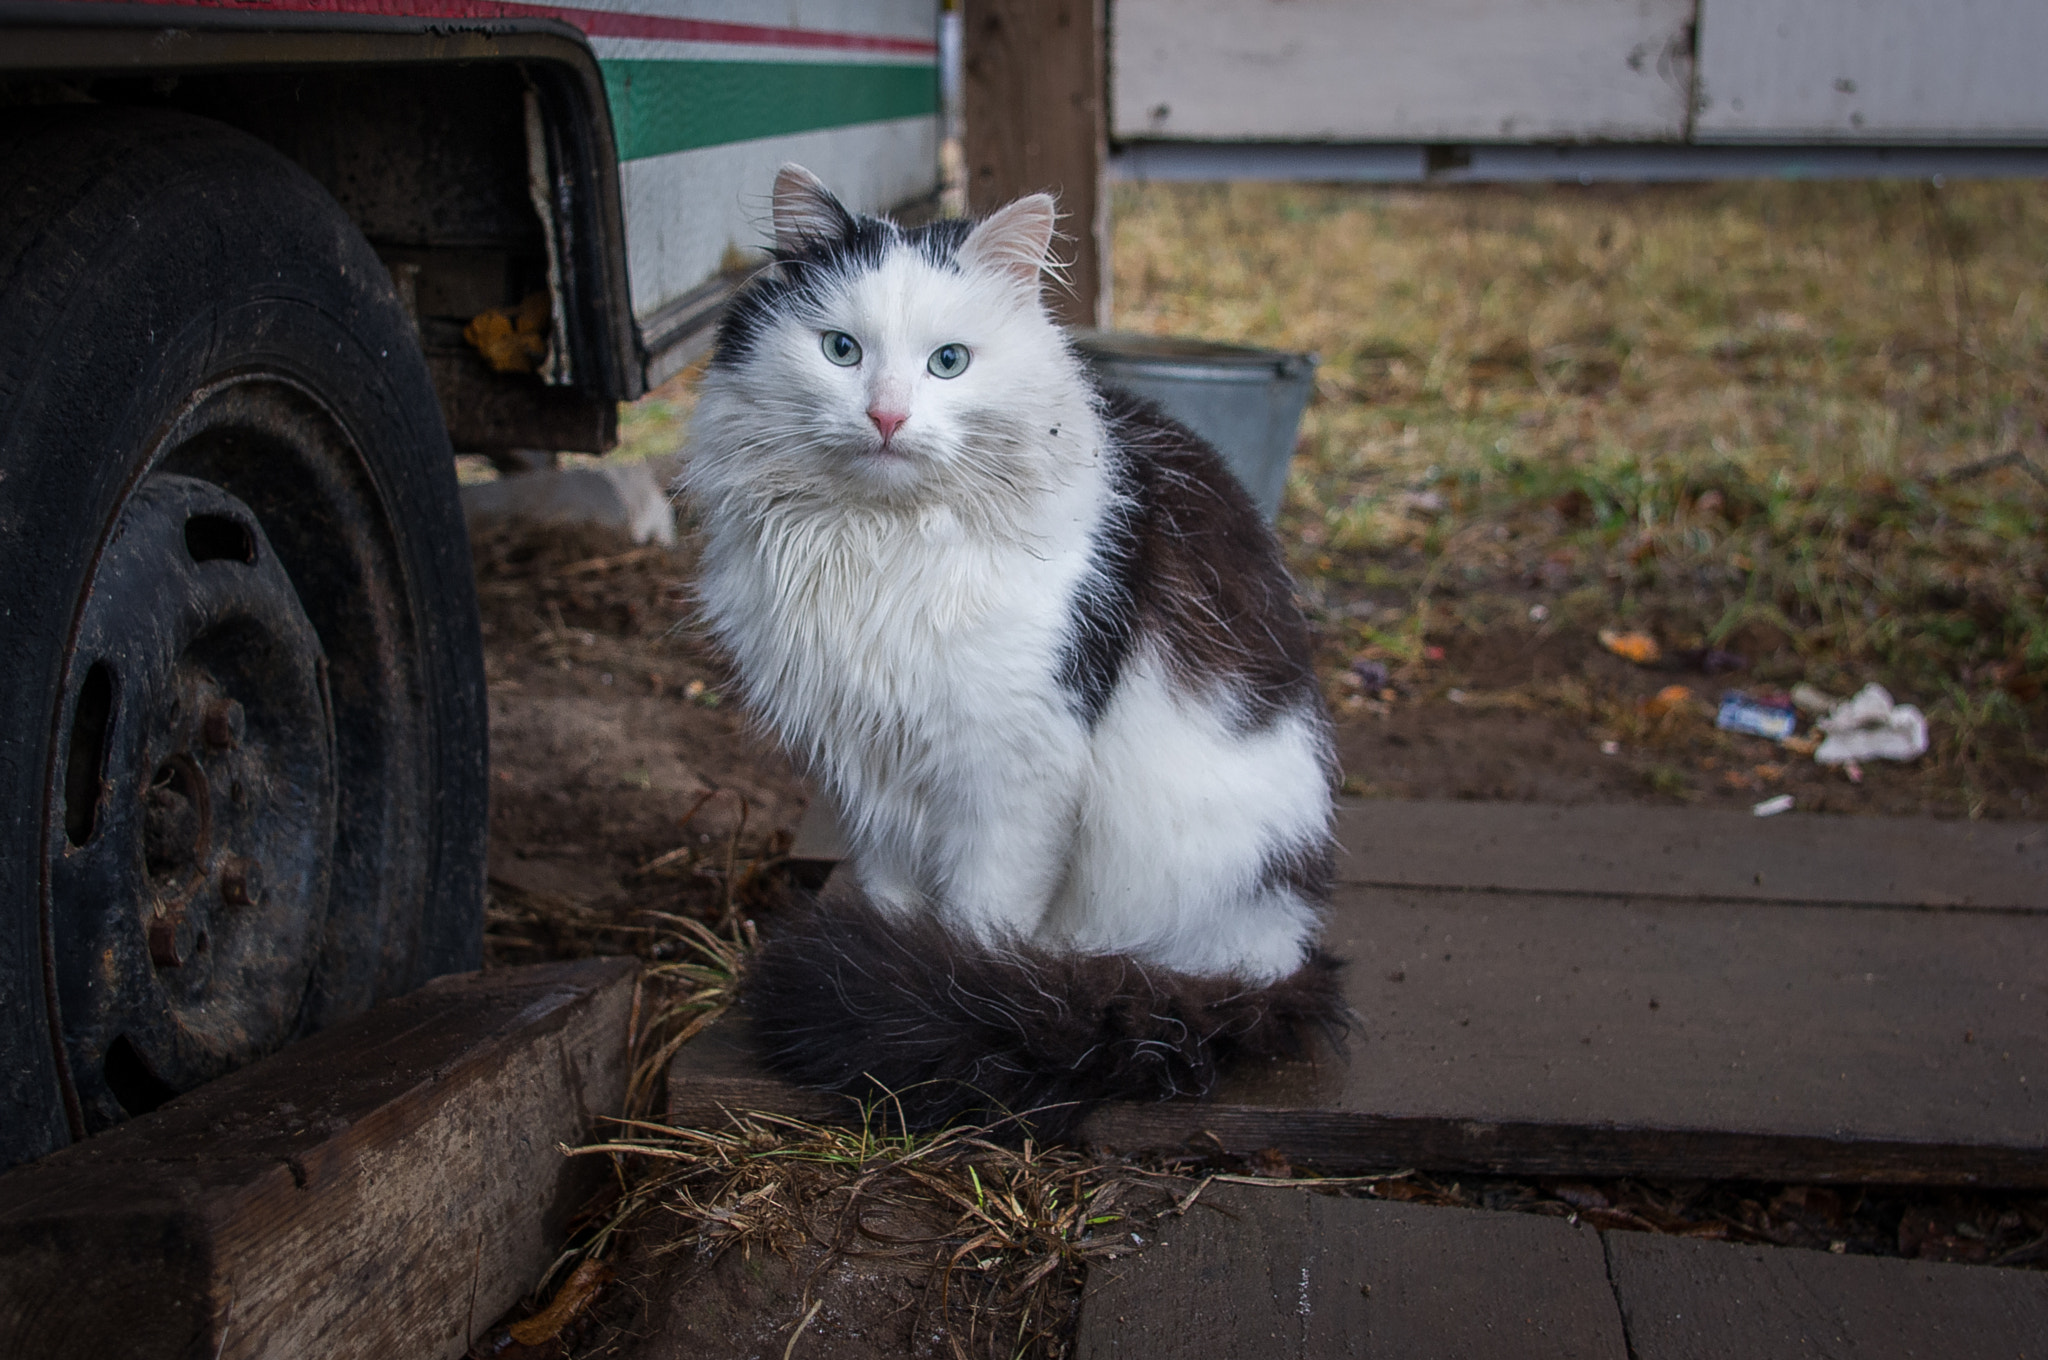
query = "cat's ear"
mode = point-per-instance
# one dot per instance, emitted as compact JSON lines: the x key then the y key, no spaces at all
{"x":1014,"y":241}
{"x":805,"y":212}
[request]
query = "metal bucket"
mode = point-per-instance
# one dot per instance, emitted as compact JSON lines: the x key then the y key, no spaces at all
{"x":1247,"y":402}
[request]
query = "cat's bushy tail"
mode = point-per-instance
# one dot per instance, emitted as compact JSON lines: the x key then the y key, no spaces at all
{"x":845,"y":998}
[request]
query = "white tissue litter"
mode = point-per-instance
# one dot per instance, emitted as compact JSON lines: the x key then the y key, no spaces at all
{"x":1771,"y":807}
{"x":1870,"y":726}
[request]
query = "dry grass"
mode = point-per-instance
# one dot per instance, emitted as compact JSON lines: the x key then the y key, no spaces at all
{"x":1704,"y":410}
{"x":999,"y":1234}
{"x":1002,"y":1234}
{"x":690,"y":976}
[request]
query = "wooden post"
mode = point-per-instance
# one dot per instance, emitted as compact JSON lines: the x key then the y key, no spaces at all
{"x":1034,"y":95}
{"x":386,"y":1187}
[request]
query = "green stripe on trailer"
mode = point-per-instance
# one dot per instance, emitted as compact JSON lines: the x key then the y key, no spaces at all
{"x":664,"y":106}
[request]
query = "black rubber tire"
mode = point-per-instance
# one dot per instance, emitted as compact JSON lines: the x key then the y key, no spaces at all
{"x":177,"y":297}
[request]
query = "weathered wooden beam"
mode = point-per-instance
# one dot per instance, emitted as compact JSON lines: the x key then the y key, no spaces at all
{"x":387,"y":1187}
{"x":716,"y":1076}
{"x":1034,"y":108}
{"x":1528,"y":1034}
{"x":1553,"y":1034}
{"x":1288,"y":1275}
{"x":1281,"y":1272}
{"x":1683,"y":1299}
{"x":1674,"y":852}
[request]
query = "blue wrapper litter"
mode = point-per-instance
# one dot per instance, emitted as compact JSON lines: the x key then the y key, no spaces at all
{"x":1741,"y":713}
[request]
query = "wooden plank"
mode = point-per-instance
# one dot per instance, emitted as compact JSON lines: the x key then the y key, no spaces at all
{"x":1278,"y":1272}
{"x":1691,"y":1300}
{"x":1565,"y":1035}
{"x":1032,"y":99}
{"x":1686,"y":852}
{"x":1541,"y":1034}
{"x":386,"y":1187}
{"x":1401,"y":70}
{"x":1659,"y":1028}
{"x":819,"y":846}
{"x":715,"y":1076}
{"x":1660,"y":852}
{"x":1872,"y":71}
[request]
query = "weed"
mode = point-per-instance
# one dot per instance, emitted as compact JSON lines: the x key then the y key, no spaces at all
{"x":1668,"y":781}
{"x":1001,"y":1235}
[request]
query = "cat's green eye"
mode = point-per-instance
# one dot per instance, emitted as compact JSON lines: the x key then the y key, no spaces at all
{"x":948,"y":361}
{"x":842,"y":349}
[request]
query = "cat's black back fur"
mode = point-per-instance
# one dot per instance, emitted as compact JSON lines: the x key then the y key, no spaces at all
{"x":1190,"y":564}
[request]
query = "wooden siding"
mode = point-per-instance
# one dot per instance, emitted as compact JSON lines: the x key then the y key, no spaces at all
{"x":1873,"y":71}
{"x":1400,"y":70}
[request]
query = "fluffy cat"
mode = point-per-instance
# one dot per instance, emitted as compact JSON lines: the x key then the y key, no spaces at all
{"x":1042,"y":651}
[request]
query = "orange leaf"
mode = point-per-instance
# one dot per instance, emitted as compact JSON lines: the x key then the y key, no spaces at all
{"x":1640,"y":648}
{"x":573,"y":1297}
{"x":512,"y":340}
{"x":1666,"y":699}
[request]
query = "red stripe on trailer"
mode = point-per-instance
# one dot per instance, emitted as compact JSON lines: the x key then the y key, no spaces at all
{"x":595,"y":22}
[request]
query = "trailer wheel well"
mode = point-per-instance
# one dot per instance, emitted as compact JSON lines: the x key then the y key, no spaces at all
{"x":483,"y":184}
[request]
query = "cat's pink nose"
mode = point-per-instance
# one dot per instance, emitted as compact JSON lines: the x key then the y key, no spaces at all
{"x":888,"y":422}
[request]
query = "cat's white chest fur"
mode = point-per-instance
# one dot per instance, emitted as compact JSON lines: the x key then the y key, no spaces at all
{"x":914,"y":662}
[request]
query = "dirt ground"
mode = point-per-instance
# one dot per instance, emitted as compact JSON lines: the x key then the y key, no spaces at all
{"x":1532,"y":712}
{"x":624,"y":779}
{"x":621,"y":779}
{"x":626,"y":783}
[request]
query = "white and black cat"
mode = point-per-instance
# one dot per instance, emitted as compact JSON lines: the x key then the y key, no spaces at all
{"x":1042,"y":651}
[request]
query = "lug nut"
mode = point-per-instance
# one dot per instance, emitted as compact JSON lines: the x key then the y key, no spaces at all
{"x":163,"y":940}
{"x":222,"y":725}
{"x":241,"y":882}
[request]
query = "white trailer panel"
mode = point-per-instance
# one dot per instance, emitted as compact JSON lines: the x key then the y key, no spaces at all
{"x":708,"y":97}
{"x":1400,"y":70}
{"x":1873,"y":71}
{"x":689,"y":212}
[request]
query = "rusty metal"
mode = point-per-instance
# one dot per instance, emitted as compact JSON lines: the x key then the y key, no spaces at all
{"x":415,"y":101}
{"x":241,"y":881}
{"x":216,"y":669}
{"x":166,"y":949}
{"x":416,"y":163}
{"x":177,"y":824}
{"x":488,"y":412}
{"x":223,"y":725}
